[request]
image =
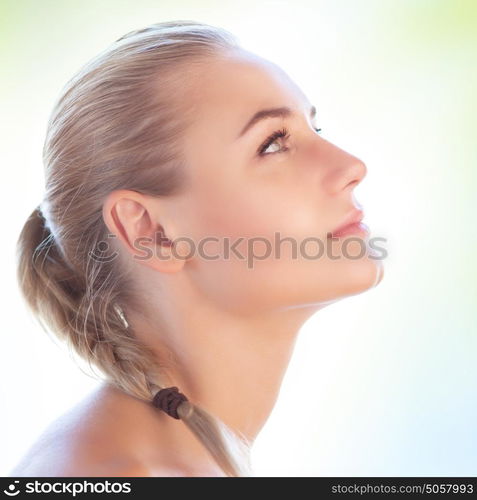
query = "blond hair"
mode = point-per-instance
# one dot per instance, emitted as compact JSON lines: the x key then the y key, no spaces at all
{"x":115,"y":126}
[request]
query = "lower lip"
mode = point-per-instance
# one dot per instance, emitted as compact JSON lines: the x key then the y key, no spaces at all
{"x":356,"y":228}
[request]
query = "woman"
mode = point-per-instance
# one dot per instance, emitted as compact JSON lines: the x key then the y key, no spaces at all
{"x":185,"y":181}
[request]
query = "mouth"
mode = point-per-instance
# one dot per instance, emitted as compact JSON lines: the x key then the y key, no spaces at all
{"x":351,"y":225}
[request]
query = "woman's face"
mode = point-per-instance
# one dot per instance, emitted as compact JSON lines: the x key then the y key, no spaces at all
{"x":296,"y":188}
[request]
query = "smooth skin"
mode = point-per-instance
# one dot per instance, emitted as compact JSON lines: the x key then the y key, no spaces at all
{"x":222,"y":329}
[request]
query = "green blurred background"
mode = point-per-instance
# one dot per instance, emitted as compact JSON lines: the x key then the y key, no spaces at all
{"x":388,"y":378}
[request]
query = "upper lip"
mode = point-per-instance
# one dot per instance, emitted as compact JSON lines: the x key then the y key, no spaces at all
{"x":353,"y":217}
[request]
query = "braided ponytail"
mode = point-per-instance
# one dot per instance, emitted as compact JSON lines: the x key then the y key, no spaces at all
{"x":111,"y":129}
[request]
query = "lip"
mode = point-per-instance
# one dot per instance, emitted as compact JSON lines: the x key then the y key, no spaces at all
{"x":351,"y":225}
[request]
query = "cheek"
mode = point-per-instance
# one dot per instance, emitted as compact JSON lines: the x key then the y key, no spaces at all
{"x":246,"y":268}
{"x":258,"y":211}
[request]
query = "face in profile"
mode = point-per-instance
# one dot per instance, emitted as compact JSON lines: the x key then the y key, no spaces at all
{"x":254,"y":184}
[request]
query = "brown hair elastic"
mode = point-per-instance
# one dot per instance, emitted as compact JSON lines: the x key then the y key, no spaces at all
{"x":168,"y":400}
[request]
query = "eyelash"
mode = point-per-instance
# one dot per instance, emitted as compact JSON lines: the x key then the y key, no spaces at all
{"x":282,"y":133}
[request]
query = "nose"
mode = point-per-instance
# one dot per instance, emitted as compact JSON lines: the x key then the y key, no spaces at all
{"x":346,"y":170}
{"x":353,"y":173}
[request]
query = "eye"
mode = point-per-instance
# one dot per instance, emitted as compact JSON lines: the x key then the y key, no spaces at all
{"x":279,"y":134}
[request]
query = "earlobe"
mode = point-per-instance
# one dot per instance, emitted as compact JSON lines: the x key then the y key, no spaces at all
{"x":160,"y":253}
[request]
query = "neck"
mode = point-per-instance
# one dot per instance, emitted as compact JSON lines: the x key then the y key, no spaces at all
{"x":230,"y":365}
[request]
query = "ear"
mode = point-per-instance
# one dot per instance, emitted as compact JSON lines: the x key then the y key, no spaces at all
{"x":132,"y":218}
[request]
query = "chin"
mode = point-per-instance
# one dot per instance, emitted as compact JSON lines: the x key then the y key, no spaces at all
{"x":362,"y":276}
{"x":340,"y":281}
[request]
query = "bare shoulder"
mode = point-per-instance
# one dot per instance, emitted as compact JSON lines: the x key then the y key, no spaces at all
{"x":57,"y":455}
{"x":88,"y":440}
{"x":50,"y":464}
{"x":108,"y":433}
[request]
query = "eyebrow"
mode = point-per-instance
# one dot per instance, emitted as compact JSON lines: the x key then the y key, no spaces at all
{"x":282,"y":112}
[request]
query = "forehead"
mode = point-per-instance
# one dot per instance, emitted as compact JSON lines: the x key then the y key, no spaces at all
{"x":234,"y":86}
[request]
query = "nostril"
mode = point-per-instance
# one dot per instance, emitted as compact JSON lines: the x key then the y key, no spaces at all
{"x":352,"y":183}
